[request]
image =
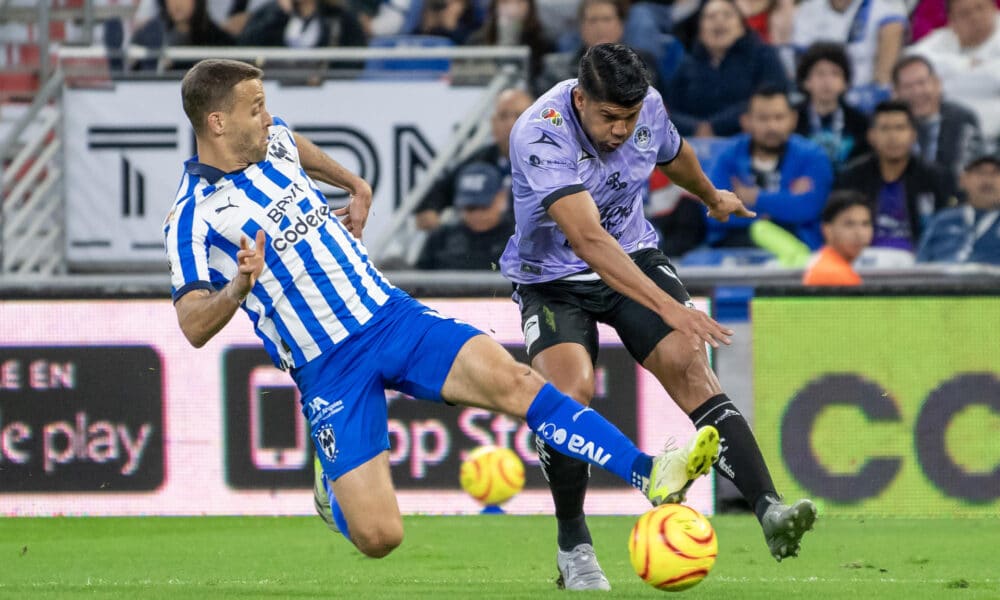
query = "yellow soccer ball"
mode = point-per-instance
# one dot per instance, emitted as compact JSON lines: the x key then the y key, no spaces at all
{"x":492,"y":475}
{"x":672,"y":547}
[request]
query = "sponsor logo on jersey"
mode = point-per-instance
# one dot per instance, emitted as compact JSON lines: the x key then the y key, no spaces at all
{"x":552,"y":116}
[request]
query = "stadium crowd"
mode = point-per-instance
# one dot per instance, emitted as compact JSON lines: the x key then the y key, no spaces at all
{"x":785,"y":101}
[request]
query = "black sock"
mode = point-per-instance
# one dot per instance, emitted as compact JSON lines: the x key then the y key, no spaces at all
{"x":740,"y":460}
{"x":567,"y":479}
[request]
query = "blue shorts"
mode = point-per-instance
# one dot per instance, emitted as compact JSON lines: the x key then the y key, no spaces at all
{"x":405,"y":346}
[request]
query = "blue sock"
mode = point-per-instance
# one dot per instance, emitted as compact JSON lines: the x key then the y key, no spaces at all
{"x":338,"y":513}
{"x":580,"y":432}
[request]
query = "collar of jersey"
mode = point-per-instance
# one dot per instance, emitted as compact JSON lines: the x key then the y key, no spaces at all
{"x":210,"y":173}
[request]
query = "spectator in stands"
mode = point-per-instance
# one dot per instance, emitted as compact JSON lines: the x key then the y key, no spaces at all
{"x":966,"y":56}
{"x":381,"y":18}
{"x":601,"y":22}
{"x":179,"y":23}
{"x":782,"y":176}
{"x":824,"y":74}
{"x":903,"y":191}
{"x":927,"y":16}
{"x":710,"y":90}
{"x":515,"y":23}
{"x":947,"y":132}
{"x":478,"y":240}
{"x":873,"y":32}
{"x":847,"y":231}
{"x":770,"y":19}
{"x":302,"y":24}
{"x":509,"y":106}
{"x":969,"y":233}
{"x":453,"y":19}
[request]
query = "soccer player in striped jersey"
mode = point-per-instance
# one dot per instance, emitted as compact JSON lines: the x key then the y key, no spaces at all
{"x":251,"y":230}
{"x":583,"y":253}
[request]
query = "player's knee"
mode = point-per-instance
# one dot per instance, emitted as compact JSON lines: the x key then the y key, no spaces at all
{"x":377,"y":541}
{"x":517,"y":387}
{"x":582,"y":392}
{"x":683,"y":354}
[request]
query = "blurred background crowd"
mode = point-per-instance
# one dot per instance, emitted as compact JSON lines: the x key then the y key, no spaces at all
{"x":859,"y":130}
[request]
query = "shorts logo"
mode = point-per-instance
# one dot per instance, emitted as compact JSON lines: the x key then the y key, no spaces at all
{"x":327,"y":442}
{"x":319,"y":409}
{"x":642,"y":136}
{"x":531,"y":331}
{"x":552,"y":116}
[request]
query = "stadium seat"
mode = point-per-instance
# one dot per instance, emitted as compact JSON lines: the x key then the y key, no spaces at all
{"x":407,"y":68}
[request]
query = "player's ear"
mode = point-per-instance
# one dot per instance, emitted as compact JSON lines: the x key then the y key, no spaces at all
{"x":578,"y":98}
{"x":216,"y":122}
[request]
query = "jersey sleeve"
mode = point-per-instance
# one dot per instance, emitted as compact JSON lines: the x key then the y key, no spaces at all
{"x":279,"y":122}
{"x":187,"y":250}
{"x":545,"y":156}
{"x":672,"y":141}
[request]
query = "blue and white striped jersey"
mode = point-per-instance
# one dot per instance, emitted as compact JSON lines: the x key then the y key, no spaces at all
{"x":318,"y":285}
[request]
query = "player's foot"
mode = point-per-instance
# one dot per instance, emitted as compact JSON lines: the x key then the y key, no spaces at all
{"x":785,"y":525}
{"x":321,"y":497}
{"x":579,"y":570}
{"x":676,"y":468}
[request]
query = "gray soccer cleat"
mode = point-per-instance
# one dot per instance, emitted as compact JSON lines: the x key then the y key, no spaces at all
{"x":579,"y":570}
{"x":321,"y":498}
{"x":676,"y":468}
{"x":785,"y":525}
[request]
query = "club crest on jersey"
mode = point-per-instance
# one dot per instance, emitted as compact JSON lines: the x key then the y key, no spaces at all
{"x":327,"y":442}
{"x":642,"y":136}
{"x":552,"y":116}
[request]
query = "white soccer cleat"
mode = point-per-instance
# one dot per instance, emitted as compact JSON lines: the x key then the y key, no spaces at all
{"x":321,"y":497}
{"x":579,"y":570}
{"x":676,"y":468}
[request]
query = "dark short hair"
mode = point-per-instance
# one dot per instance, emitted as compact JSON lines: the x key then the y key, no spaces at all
{"x":829,"y":51}
{"x":613,"y":73}
{"x":767,"y":91}
{"x":208,"y":87}
{"x":841,"y":200}
{"x":906,"y":61}
{"x":894,"y":106}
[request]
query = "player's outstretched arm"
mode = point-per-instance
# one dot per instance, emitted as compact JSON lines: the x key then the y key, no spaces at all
{"x":686,"y":171}
{"x":321,"y":167}
{"x":579,"y":220}
{"x":202,"y":314}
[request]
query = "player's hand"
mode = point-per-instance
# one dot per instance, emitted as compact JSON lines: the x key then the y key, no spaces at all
{"x":693,"y":322}
{"x":725,"y":204}
{"x":354,"y":214}
{"x":250,"y":263}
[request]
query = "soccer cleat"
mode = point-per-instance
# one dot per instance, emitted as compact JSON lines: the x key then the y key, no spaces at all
{"x":321,"y":497}
{"x":676,"y":468}
{"x":785,"y":525}
{"x":579,"y":570}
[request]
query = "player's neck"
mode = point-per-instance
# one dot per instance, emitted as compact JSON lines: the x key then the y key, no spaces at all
{"x":220,"y":157}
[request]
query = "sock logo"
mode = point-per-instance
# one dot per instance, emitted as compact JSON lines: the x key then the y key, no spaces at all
{"x":577,"y":414}
{"x":725,"y":415}
{"x":578,"y":445}
{"x":552,"y":433}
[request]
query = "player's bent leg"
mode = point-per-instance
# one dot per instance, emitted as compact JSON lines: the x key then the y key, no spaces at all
{"x":681,"y":364}
{"x":368,"y":500}
{"x":569,"y":367}
{"x":483,"y":374}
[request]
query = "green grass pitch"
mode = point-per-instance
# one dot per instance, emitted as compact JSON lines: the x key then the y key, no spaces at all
{"x":477,"y":558}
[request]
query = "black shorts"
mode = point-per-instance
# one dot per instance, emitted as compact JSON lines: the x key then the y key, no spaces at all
{"x":568,"y":311}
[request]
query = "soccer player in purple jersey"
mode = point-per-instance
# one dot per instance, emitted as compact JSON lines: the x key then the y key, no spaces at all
{"x":250,"y":230}
{"x":583,"y":253}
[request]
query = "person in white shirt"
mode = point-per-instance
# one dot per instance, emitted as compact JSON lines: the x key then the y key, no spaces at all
{"x":966,"y":55}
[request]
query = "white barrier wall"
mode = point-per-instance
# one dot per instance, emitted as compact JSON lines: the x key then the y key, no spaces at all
{"x":106,"y":410}
{"x":125,"y":149}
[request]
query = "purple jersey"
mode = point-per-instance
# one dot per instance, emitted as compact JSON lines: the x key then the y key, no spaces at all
{"x":551,"y":157}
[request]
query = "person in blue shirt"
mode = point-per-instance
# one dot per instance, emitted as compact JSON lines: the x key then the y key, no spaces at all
{"x":583,"y":253}
{"x":250,"y":230}
{"x":781,"y":175}
{"x":969,"y":233}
